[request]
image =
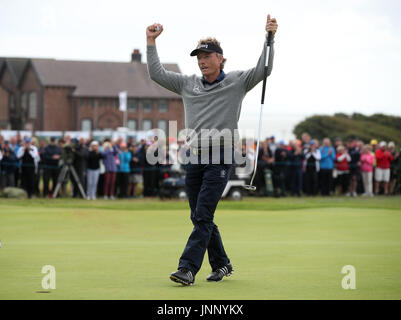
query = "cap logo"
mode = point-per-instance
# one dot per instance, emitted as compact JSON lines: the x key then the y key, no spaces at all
{"x":208,"y":47}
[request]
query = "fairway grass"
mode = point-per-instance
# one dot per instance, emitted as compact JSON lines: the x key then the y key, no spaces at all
{"x":288,"y":248}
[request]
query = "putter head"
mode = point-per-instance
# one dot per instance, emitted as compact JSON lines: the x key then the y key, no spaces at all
{"x":249,"y":187}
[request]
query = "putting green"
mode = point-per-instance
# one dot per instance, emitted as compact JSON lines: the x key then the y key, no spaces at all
{"x":280,"y":249}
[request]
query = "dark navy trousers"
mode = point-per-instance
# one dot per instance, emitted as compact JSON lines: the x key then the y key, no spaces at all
{"x":205,"y":184}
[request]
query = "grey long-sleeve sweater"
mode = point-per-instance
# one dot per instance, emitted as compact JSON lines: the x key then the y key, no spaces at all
{"x":212,"y":107}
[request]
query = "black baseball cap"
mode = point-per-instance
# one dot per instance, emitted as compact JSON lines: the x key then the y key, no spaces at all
{"x":207,"y":47}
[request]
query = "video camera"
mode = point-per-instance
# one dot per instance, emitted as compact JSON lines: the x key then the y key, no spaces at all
{"x":68,"y":153}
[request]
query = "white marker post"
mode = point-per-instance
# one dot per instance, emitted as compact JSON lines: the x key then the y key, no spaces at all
{"x":123,"y":105}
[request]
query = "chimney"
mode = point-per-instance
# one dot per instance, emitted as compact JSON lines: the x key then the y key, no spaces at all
{"x":136,"y":56}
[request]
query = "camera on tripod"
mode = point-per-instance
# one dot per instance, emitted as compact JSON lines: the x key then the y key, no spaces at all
{"x":68,"y":154}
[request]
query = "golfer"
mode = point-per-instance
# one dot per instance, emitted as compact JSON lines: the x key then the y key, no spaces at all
{"x":211,"y":102}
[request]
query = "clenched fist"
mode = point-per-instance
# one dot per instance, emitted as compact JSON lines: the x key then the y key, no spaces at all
{"x":152,"y":32}
{"x":271,"y":24}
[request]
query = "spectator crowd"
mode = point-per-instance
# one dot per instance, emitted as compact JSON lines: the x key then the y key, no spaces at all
{"x":108,"y":169}
{"x":310,"y":167}
{"x":111,"y":169}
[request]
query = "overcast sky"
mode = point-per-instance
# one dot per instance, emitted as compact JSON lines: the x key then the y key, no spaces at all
{"x":330,"y":55}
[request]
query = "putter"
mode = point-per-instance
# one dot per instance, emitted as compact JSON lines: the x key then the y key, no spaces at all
{"x":250,"y":186}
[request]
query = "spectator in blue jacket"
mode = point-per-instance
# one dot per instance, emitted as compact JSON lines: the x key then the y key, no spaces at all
{"x":328,"y":154}
{"x":124,"y":169}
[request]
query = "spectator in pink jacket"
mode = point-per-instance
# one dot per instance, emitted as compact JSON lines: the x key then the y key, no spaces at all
{"x":367,"y":160}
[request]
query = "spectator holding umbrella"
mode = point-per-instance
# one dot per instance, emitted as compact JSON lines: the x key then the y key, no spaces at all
{"x":326,"y":166}
{"x":383,"y":162}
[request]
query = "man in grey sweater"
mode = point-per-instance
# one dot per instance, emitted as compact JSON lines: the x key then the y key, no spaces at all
{"x":212,"y":106}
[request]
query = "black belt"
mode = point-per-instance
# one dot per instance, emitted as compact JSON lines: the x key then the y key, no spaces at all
{"x":208,"y":150}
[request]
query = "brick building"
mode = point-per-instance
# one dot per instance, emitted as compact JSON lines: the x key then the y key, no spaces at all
{"x":60,"y":95}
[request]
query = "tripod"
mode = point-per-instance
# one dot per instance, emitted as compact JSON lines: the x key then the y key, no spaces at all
{"x":64,"y":171}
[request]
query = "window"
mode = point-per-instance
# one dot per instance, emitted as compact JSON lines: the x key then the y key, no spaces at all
{"x":132,"y":105}
{"x":163,"y":105}
{"x":100,"y":102}
{"x":146,"y":125}
{"x":24,"y":101}
{"x":81,"y":102}
{"x":33,"y":105}
{"x":131,"y":124}
{"x":86,"y":124}
{"x":147,"y":105}
{"x":11,"y":101}
{"x":162,"y":125}
{"x":91,"y":102}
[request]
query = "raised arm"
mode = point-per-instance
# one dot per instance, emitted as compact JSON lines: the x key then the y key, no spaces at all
{"x":253,"y":76}
{"x":172,"y":81}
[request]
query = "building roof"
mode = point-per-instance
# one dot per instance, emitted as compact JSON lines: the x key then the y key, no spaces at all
{"x":101,"y":79}
{"x":16,"y":67}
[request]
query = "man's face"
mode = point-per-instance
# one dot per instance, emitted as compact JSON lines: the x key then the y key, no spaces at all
{"x":209,"y":63}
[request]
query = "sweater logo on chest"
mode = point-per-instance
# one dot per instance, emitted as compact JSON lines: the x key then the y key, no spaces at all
{"x":196,"y":89}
